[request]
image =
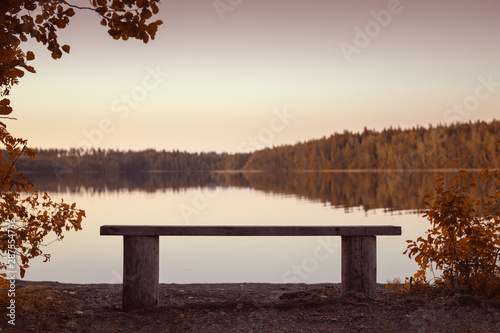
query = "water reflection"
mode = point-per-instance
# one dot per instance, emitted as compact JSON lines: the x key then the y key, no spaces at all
{"x":388,"y":190}
{"x":295,"y":198}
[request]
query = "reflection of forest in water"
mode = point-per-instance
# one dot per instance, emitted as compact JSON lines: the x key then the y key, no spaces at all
{"x":390,"y":190}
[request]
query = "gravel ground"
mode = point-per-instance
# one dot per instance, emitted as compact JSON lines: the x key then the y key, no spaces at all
{"x":56,"y":307}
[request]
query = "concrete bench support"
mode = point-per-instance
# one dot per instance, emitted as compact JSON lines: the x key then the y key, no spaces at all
{"x":141,"y":253}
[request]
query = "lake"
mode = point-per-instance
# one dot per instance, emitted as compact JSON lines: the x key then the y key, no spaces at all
{"x":308,"y":198}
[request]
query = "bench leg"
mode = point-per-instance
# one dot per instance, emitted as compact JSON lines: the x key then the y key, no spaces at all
{"x":359,"y":264}
{"x":141,"y":261}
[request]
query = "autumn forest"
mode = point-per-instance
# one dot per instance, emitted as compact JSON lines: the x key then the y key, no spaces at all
{"x":435,"y":147}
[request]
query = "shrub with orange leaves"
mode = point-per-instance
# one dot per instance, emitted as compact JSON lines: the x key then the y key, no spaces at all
{"x":464,"y":239}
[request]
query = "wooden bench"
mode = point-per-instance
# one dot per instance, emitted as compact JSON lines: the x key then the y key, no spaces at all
{"x":141,"y":253}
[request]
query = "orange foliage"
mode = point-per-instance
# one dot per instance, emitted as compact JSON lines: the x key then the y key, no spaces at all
{"x":27,"y":217}
{"x":464,"y":239}
{"x":36,"y":216}
{"x":41,"y":19}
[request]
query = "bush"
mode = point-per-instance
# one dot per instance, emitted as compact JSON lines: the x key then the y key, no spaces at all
{"x":464,"y":239}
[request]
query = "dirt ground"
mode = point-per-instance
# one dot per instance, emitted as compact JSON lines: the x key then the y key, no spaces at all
{"x":55,"y":307}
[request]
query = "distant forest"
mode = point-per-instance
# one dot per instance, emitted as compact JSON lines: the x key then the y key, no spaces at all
{"x":475,"y":144}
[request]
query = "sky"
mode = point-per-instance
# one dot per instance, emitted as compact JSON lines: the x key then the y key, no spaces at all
{"x":240,"y":75}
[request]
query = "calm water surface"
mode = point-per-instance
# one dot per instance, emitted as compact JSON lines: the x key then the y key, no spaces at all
{"x":87,"y":257}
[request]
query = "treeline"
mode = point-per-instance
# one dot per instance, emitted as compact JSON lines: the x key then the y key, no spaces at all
{"x":63,"y":161}
{"x":475,"y":144}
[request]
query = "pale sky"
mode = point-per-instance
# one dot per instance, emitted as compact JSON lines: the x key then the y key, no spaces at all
{"x":263,"y":73}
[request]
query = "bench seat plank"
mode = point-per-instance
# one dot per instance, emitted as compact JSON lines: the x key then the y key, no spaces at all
{"x":254,"y":230}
